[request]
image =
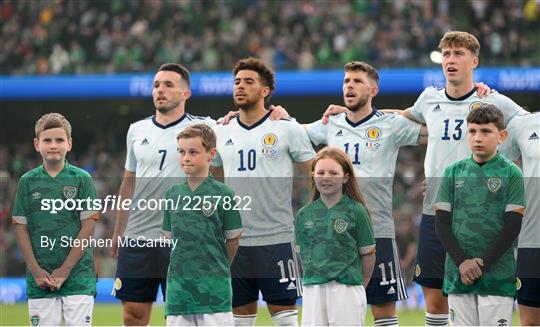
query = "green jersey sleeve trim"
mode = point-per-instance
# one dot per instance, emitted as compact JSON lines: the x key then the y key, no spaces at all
{"x":446,"y":206}
{"x":367,"y":249}
{"x":87,"y":214}
{"x":20,"y":220}
{"x":233,"y":233}
{"x":513,"y":207}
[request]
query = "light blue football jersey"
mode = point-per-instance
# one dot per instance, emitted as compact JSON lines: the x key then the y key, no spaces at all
{"x":372,"y":145}
{"x":446,"y":120}
{"x":258,"y":163}
{"x":152,"y":153}
{"x":524,"y":141}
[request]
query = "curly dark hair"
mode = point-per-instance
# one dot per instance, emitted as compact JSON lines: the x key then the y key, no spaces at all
{"x":265,"y":72}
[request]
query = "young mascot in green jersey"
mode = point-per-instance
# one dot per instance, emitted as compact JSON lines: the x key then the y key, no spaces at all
{"x":206,"y":224}
{"x":337,"y":248}
{"x":61,"y":279}
{"x":479,"y":208}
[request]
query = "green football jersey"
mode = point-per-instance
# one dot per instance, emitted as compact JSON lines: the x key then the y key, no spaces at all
{"x":331,"y":240}
{"x":36,"y":187}
{"x":199,"y":278}
{"x":478,"y":196}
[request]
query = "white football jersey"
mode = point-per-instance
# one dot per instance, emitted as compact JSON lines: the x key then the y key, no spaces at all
{"x":152,"y":153}
{"x":372,"y":145}
{"x":524,"y":140}
{"x":446,"y":120}
{"x":258,"y":163}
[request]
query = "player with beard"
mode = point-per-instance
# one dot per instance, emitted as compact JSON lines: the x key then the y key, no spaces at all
{"x":258,"y":157}
{"x":151,"y":168}
{"x":372,"y":140}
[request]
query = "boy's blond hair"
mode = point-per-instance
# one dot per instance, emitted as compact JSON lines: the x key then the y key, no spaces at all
{"x":207,"y":135}
{"x":460,"y":39}
{"x":50,"y":121}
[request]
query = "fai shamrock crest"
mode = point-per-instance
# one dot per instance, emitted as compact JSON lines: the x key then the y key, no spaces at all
{"x":494,"y":184}
{"x":340,"y":225}
{"x":69,"y":192}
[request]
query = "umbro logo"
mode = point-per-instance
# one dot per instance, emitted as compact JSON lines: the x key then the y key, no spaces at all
{"x":437,"y":108}
{"x":36,"y":195}
{"x":229,"y":142}
{"x":339,"y":133}
{"x":502,"y":322}
{"x":533,"y":136}
{"x":145,"y":142}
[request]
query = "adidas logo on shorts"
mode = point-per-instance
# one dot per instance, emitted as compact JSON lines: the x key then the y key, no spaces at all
{"x":391,"y":291}
{"x":291,"y":286}
{"x":533,"y":136}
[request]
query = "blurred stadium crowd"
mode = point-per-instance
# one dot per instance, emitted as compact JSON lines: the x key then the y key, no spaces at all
{"x":62,"y":36}
{"x":107,"y":166}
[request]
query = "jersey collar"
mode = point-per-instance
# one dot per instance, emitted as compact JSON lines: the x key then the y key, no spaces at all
{"x":66,"y":166}
{"x":208,"y":179}
{"x":262,"y":120}
{"x":492,"y":160}
{"x":344,"y":199}
{"x":461,"y":98}
{"x":368,"y":117}
{"x":176,"y":122}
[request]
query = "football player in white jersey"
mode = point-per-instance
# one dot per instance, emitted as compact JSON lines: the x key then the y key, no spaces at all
{"x":444,"y":111}
{"x":372,"y":140}
{"x":151,"y":167}
{"x":524,"y":141}
{"x":258,"y":156}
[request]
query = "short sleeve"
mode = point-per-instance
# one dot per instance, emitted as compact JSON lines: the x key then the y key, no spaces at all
{"x":88,"y":191}
{"x":131,"y":160}
{"x":509,"y":108}
{"x":232,"y":222}
{"x":516,"y":190}
{"x":317,"y":132}
{"x":417,"y":109}
{"x":364,"y":231}
{"x":405,"y":131}
{"x":443,"y":200}
{"x":510,"y":147}
{"x":20,"y":211}
{"x":300,"y":148}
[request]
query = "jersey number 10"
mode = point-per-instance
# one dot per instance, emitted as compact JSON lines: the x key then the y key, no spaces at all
{"x":251,"y":160}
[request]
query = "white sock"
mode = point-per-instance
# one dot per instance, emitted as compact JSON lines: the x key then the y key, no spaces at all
{"x":245,"y":320}
{"x":388,"y":321}
{"x":285,"y":318}
{"x":433,"y":319}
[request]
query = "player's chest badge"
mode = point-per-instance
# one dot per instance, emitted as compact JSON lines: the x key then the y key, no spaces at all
{"x":269,"y":143}
{"x":308,"y":224}
{"x":208,"y":210}
{"x":494,"y":184}
{"x":69,"y":192}
{"x":340,"y":225}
